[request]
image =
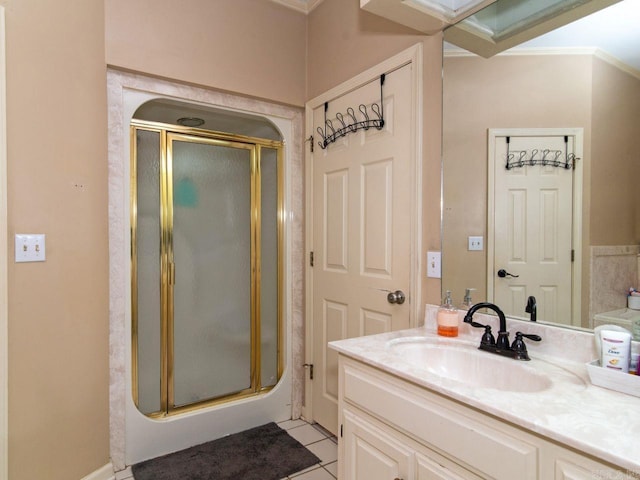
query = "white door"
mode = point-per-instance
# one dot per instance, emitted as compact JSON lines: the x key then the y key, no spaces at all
{"x":533,"y":234}
{"x":364,"y":198}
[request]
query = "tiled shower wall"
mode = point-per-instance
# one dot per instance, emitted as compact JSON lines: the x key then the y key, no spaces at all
{"x":613,"y":270}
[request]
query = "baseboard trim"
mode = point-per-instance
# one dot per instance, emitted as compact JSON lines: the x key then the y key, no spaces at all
{"x":104,"y":473}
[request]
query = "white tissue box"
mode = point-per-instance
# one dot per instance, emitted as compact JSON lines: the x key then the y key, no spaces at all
{"x":613,"y":380}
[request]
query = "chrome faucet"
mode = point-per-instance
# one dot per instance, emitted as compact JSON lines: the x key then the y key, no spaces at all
{"x":516,"y":350}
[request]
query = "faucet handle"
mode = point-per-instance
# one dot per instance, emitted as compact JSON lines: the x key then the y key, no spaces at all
{"x":487,"y":336}
{"x":469,"y":319}
{"x":476,"y":324}
{"x":530,"y":336}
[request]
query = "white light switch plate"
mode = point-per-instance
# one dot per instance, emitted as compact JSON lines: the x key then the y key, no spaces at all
{"x":30,"y":247}
{"x":434,"y":265}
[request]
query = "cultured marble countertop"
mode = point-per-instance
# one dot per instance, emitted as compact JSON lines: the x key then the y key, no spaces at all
{"x":595,"y":420}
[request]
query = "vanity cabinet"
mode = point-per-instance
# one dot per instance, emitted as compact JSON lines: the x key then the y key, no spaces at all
{"x":393,"y":429}
{"x":374,"y":451}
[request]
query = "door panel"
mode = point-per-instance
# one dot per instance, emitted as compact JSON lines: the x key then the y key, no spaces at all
{"x":334,"y":322}
{"x":336,"y":186}
{"x":372,"y":322}
{"x":269,"y":267}
{"x":211,"y":312}
{"x":377,"y":212}
{"x":146,"y":286}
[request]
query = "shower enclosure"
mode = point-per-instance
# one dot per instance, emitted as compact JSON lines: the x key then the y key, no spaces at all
{"x":206,"y":249}
{"x":156,"y":104}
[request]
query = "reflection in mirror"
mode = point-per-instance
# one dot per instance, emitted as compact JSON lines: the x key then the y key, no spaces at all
{"x":558,"y":81}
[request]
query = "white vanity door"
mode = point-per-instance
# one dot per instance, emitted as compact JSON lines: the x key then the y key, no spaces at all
{"x":564,"y":464}
{"x":370,"y":453}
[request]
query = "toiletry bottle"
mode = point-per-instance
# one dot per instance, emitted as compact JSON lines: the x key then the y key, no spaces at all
{"x":467,"y":303}
{"x":447,"y":318}
{"x":633,"y":365}
{"x":616,"y":350}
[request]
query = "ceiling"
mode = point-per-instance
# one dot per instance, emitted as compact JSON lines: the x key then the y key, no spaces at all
{"x":614,"y":30}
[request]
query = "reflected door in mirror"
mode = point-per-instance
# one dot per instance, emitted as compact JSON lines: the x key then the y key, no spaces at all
{"x":532,"y":222}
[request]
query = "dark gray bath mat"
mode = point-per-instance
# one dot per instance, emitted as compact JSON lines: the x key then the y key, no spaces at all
{"x":262,"y":453}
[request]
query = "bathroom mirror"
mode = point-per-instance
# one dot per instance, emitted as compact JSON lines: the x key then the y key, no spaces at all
{"x":561,"y":80}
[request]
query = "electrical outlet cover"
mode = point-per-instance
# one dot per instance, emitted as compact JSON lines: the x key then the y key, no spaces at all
{"x":476,"y":243}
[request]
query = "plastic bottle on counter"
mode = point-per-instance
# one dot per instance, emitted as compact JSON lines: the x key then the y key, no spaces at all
{"x":616,"y":350}
{"x":447,"y":318}
{"x":633,"y":365}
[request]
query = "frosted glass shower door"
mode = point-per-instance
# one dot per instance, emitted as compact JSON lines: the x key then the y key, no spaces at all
{"x":212,"y":203}
{"x":207,"y":226}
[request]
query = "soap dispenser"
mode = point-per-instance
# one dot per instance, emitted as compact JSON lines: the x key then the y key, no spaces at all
{"x":447,"y":318}
{"x":467,"y":303}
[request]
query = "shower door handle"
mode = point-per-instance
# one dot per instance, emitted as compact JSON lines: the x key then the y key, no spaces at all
{"x":397,"y":297}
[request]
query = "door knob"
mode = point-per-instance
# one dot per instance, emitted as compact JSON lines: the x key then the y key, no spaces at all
{"x":503,"y":273}
{"x":396,"y":297}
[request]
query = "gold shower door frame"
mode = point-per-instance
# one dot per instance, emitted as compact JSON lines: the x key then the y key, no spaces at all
{"x":167,"y":135}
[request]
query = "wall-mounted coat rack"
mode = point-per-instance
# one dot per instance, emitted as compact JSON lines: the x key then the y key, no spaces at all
{"x":544,"y":157}
{"x":349,"y":122}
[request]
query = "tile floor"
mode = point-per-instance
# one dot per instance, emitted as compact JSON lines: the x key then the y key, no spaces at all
{"x":320,"y":442}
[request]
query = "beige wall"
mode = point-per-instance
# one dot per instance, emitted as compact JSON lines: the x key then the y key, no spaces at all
{"x":615,"y":170}
{"x":502,"y":92}
{"x":240,"y":46}
{"x":57,"y":171}
{"x":344,"y":41}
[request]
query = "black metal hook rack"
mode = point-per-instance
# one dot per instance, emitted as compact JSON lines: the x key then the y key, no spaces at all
{"x":544,"y":157}
{"x":349,"y":122}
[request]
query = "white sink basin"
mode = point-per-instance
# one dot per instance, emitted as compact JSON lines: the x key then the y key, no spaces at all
{"x":465,"y":363}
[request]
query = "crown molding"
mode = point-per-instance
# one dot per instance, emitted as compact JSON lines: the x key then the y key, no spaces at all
{"x":459,"y":52}
{"x":304,"y":6}
{"x":596,"y":52}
